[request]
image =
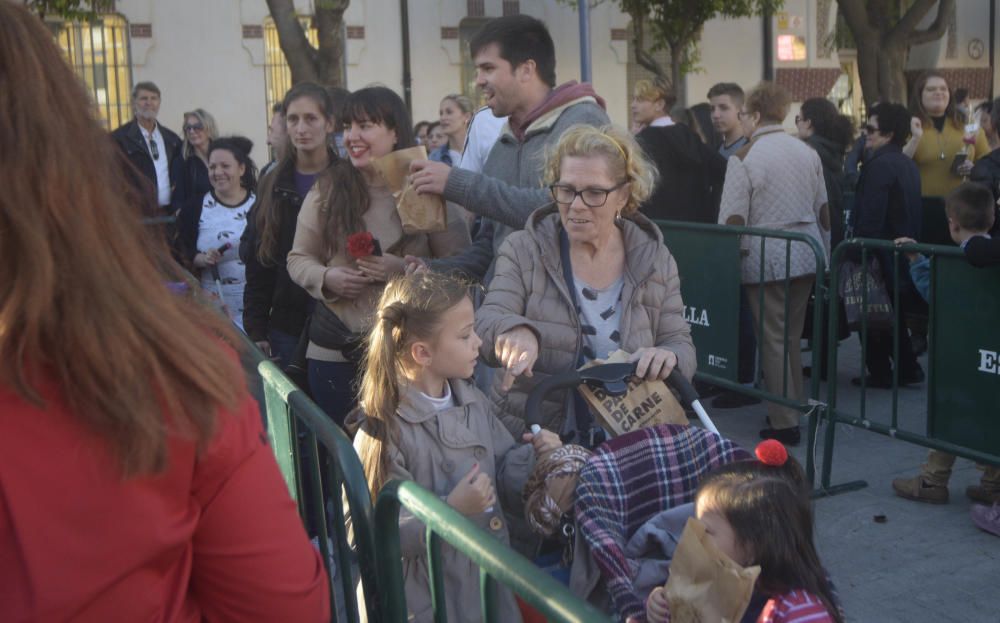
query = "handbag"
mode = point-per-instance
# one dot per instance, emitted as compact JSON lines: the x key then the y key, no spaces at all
{"x":328,"y":331}
{"x":864,"y":294}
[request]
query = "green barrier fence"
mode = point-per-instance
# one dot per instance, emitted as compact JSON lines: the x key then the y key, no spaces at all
{"x":963,"y":373}
{"x":498,"y":563}
{"x":298,"y":429}
{"x":709,"y":261}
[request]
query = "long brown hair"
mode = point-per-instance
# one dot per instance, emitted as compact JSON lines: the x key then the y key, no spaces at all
{"x":83,"y":301}
{"x":771,"y":516}
{"x":410,"y":309}
{"x":343,"y":187}
{"x":951,"y":112}
{"x":268,"y":217}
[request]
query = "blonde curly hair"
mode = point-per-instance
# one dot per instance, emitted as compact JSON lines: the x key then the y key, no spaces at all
{"x":624,"y":158}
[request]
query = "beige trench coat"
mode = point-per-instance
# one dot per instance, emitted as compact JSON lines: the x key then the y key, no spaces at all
{"x":436,"y":449}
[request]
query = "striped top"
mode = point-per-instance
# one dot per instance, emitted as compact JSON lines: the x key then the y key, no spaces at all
{"x":798,"y":606}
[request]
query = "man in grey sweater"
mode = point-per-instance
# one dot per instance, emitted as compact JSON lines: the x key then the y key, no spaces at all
{"x":515,"y":68}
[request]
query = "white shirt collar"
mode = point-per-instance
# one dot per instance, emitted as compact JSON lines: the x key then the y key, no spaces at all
{"x":662,"y":122}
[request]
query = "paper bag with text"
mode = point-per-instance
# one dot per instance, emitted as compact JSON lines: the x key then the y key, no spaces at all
{"x":647,"y":403}
{"x":420,"y":214}
{"x":704,"y":584}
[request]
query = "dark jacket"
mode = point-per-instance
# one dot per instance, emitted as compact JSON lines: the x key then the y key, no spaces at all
{"x":832,"y":157}
{"x":271,"y":300}
{"x":888,"y":199}
{"x":189,"y":197}
{"x":133,"y":145}
{"x":982,"y":252}
{"x":691,"y":175}
{"x":987,"y":172}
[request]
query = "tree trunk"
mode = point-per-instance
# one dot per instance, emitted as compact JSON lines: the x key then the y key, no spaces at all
{"x":868,"y":60}
{"x":891,"y":73}
{"x":323,"y":65}
{"x":676,"y":73}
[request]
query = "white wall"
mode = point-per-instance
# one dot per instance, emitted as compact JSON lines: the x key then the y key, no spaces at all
{"x":722,"y":63}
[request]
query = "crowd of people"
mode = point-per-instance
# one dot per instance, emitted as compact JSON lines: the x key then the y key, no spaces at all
{"x":549,"y":208}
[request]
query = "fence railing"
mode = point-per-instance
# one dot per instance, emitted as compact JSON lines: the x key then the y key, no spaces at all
{"x":710,"y":264}
{"x":320,"y":466}
{"x":498,"y":563}
{"x":963,"y":375}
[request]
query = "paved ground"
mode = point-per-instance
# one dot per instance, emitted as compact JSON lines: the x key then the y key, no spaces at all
{"x":925,"y":563}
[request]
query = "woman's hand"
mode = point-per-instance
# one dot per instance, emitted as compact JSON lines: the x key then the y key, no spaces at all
{"x":473,"y":494}
{"x":965,"y":168}
{"x":207,"y":258}
{"x":517,"y":351}
{"x":543,"y":441}
{"x":655,"y":364}
{"x":415,"y":264}
{"x":381,"y":267}
{"x":657,"y":607}
{"x":916,"y":128}
{"x":345,"y":282}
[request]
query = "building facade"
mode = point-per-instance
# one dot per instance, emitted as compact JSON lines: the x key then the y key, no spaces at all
{"x":224,"y":57}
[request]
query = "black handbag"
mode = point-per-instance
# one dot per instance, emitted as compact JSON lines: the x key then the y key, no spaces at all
{"x":859,"y":283}
{"x":326,"y":330}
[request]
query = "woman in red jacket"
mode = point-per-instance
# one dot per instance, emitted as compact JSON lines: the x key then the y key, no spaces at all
{"x":136,"y":483}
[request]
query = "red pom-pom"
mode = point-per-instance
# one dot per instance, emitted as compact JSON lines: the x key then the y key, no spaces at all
{"x":361,"y":244}
{"x":771,"y":452}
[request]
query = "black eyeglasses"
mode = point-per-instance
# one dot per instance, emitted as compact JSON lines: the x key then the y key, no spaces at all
{"x":564,"y":194}
{"x":153,"y":149}
{"x":870,"y":129}
{"x":194,"y":127}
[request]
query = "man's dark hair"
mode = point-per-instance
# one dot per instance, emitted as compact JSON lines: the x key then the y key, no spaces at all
{"x":145,"y":86}
{"x":994,"y":110}
{"x":970,"y":206}
{"x":278,"y":108}
{"x":733,"y":90}
{"x":894,"y":118}
{"x":520,"y":38}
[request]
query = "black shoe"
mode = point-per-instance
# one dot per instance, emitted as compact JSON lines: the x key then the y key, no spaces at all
{"x":733,"y":400}
{"x":879,"y":382}
{"x":807,"y":372}
{"x":788,"y":436}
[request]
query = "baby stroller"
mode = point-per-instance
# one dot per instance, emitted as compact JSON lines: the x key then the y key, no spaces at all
{"x":628,"y":481}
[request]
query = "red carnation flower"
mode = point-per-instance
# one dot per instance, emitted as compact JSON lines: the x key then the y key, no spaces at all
{"x":361,"y":244}
{"x":771,"y":452}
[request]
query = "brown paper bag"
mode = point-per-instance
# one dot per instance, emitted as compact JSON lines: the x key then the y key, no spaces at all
{"x":647,"y":403}
{"x":705,"y":585}
{"x":420,"y":214}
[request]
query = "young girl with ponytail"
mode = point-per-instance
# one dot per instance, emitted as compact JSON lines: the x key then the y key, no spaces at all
{"x":426,"y":421}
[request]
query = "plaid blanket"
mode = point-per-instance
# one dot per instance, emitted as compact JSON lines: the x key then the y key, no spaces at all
{"x":633,"y":477}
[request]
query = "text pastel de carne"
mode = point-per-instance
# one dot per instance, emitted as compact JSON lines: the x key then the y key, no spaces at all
{"x":627,"y":419}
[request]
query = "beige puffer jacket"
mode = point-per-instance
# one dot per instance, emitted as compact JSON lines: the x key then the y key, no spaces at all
{"x":529,"y":289}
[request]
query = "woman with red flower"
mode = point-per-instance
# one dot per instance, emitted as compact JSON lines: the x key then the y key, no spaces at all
{"x":349,"y":242}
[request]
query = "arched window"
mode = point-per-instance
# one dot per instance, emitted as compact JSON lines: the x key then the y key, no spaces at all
{"x":100,"y":55}
{"x":277,"y":74}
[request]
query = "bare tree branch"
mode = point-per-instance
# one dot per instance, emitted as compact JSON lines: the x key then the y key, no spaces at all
{"x":937,"y":29}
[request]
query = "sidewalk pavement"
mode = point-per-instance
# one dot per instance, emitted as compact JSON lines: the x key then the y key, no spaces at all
{"x":926,"y":562}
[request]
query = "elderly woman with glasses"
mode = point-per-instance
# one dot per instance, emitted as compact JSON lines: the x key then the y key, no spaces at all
{"x":587,"y":276}
{"x":776,"y":182}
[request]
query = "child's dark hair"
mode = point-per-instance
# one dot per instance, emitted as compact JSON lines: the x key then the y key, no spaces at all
{"x":520,"y":38}
{"x":970,"y":206}
{"x":240,"y":147}
{"x":771,"y":516}
{"x":410,"y":309}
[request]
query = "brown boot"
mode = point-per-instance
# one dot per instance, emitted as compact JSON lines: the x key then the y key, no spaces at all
{"x":983,"y":494}
{"x":920,"y":491}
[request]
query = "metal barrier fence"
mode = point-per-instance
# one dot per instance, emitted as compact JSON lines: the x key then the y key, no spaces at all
{"x":498,"y":563}
{"x":297,"y":429}
{"x":710,"y":262}
{"x":963,"y":373}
